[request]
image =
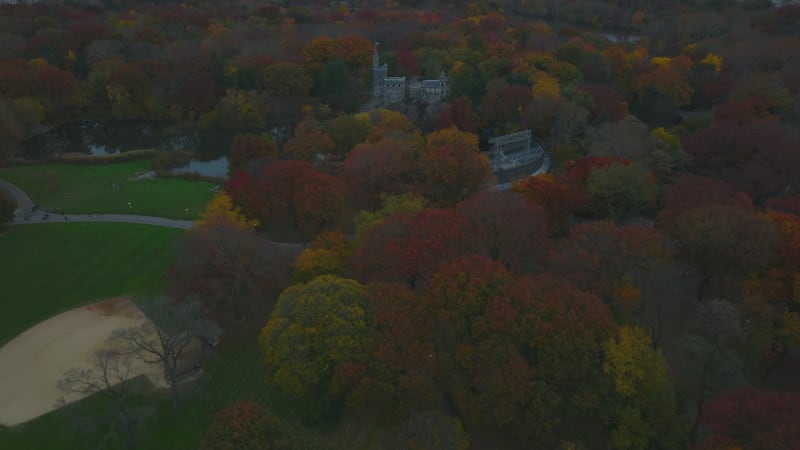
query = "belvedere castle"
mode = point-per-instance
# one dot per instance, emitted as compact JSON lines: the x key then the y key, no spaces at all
{"x":388,"y":91}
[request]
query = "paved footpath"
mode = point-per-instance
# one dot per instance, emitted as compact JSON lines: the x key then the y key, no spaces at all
{"x":27,"y":214}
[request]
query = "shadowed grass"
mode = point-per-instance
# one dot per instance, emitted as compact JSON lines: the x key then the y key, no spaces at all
{"x":88,"y":188}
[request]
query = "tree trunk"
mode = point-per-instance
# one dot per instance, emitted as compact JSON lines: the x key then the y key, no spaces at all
{"x":696,"y":424}
{"x":237,"y":312}
{"x":774,"y":365}
{"x":703,"y":284}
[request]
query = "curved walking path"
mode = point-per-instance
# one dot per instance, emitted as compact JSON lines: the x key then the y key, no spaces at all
{"x":26,"y":214}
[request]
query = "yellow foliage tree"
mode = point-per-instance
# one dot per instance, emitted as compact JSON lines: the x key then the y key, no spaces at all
{"x":409,"y":203}
{"x":314,"y":262}
{"x":545,"y":86}
{"x":645,"y":412}
{"x":672,"y":140}
{"x":714,"y":60}
{"x":452,"y":137}
{"x":222,"y":207}
{"x":661,"y":61}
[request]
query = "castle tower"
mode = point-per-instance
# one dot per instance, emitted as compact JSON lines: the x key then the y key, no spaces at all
{"x":379,"y":73}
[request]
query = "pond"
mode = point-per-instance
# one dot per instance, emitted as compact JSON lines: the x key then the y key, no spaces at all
{"x":208,"y":147}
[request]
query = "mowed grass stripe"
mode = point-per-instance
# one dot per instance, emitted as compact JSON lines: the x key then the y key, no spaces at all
{"x":46,"y":269}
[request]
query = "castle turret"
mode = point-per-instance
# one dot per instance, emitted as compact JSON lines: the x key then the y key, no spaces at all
{"x":379,"y":73}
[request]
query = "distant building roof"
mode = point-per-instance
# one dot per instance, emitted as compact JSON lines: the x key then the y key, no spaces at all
{"x":395,"y":78}
{"x":431,"y":83}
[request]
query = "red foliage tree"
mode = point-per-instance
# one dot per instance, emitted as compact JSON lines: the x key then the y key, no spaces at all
{"x":245,"y":425}
{"x":407,"y":63}
{"x":607,"y":104}
{"x":753,"y":419}
{"x":601,"y":257}
{"x":410,"y":248}
{"x":724,"y":243}
{"x":458,"y":114}
{"x":789,"y":205}
{"x":275,"y":190}
{"x":760,"y":159}
{"x":453,"y":173}
{"x":507,"y":228}
{"x":374,"y":169}
{"x":508,"y":347}
{"x":241,"y":188}
{"x":559,"y":197}
{"x":744,"y":112}
{"x":14,"y":81}
{"x":53,"y":82}
{"x":400,"y":376}
{"x":247,"y":148}
{"x":694,"y":191}
{"x":319,"y":202}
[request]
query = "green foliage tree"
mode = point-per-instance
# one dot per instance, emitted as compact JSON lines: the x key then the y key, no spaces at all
{"x":316,"y":337}
{"x":617,"y":191}
{"x":347,"y":131}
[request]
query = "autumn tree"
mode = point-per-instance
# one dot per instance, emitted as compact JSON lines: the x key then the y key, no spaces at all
{"x":604,"y":259}
{"x":759,"y":159}
{"x":694,"y":191}
{"x":513,"y":354}
{"x":170,"y":338}
{"x":408,"y":203}
{"x":221,"y":207}
{"x":723,"y":242}
{"x":373,"y":170}
{"x":409,"y":248}
{"x":559,"y":197}
{"x":245,"y":425}
{"x":453,"y":166}
{"x":399,"y":378}
{"x":771,"y":302}
{"x":296,"y":194}
{"x":315,"y":339}
{"x":320,"y":203}
{"x":319,"y":260}
{"x":309,"y":141}
{"x":642,"y":408}
{"x":250,"y":148}
{"x":754,"y":419}
{"x":507,"y":228}
{"x":459,"y":113}
{"x":226,"y":267}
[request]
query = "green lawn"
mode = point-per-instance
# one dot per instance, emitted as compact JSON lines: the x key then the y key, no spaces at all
{"x":46,"y":269}
{"x":73,"y":188}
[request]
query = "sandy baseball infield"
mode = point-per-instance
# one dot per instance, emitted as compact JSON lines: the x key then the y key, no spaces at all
{"x":33,"y":362}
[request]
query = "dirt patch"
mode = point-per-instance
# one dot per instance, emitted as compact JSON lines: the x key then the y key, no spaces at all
{"x":33,"y":362}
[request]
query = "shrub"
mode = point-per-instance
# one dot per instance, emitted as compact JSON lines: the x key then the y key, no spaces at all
{"x":170,"y":160}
